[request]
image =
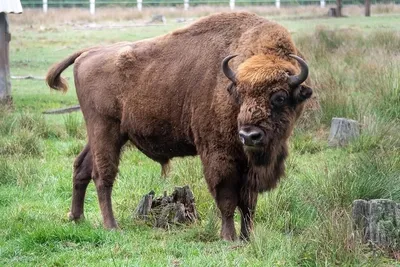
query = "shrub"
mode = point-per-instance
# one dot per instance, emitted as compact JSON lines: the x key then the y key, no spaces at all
{"x":23,"y":143}
{"x":11,"y":123}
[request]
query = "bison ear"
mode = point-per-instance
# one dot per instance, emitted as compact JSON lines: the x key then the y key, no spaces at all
{"x":233,"y":93}
{"x":305,"y":92}
{"x":302,"y":92}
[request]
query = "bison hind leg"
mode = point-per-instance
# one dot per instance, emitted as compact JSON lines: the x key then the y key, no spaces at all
{"x":106,"y":142}
{"x":81,"y":179}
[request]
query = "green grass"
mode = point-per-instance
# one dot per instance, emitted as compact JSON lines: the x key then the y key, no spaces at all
{"x":304,"y":222}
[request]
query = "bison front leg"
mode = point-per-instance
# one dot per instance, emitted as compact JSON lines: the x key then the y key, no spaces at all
{"x":247,"y":206}
{"x":227,"y":200}
{"x":82,"y":176}
{"x":223,"y":181}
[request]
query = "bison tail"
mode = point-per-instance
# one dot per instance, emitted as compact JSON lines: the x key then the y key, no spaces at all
{"x":53,"y":78}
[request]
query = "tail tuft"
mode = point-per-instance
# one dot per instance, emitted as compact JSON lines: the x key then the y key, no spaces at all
{"x":54,"y":79}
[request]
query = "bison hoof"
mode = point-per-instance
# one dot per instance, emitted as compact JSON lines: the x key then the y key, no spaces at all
{"x":229,"y":236}
{"x":111,"y":225}
{"x":74,"y":218}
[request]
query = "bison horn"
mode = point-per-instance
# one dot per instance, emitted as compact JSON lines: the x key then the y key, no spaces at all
{"x":296,"y":80}
{"x":227,"y":71}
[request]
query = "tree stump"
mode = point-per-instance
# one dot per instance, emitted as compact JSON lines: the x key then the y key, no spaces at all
{"x":342,"y":131}
{"x":178,"y":208}
{"x":332,"y":12}
{"x":379,"y":221}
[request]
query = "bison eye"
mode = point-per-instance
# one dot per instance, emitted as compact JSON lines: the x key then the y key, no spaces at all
{"x":279,"y":99}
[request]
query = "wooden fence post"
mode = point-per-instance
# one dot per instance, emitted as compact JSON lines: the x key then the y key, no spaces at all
{"x":45,"y":6}
{"x":5,"y":83}
{"x":92,"y":6}
{"x":139,"y":5}
{"x":186,"y":4}
{"x":232,"y":4}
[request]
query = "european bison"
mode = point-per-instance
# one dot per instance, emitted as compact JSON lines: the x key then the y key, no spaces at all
{"x":187,"y":93}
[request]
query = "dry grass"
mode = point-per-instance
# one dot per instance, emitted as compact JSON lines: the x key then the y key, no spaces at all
{"x":131,"y":14}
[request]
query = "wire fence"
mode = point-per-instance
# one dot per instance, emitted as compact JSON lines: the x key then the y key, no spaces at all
{"x":133,"y":3}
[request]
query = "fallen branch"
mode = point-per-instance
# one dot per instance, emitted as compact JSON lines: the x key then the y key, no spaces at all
{"x":28,"y":77}
{"x":63,"y":110}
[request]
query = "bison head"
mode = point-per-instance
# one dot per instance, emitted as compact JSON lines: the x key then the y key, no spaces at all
{"x":271,"y":98}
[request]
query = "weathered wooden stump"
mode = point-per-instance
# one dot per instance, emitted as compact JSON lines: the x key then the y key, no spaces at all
{"x":178,"y":208}
{"x":379,"y":221}
{"x":332,"y":12}
{"x":343,"y":131}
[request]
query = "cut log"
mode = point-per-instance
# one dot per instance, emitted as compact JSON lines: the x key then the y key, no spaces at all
{"x":343,"y":131}
{"x":178,"y":208}
{"x":378,"y":221}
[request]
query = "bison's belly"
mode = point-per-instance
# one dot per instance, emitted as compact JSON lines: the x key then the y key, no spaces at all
{"x":162,"y":148}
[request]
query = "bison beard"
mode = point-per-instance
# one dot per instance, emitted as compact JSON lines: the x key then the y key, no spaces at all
{"x":171,"y":98}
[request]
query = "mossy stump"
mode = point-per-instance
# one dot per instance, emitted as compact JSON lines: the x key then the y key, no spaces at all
{"x":177,"y":208}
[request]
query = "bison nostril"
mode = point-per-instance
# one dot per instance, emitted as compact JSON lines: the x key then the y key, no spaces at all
{"x":255,"y":136}
{"x":251,"y":136}
{"x":243,"y":136}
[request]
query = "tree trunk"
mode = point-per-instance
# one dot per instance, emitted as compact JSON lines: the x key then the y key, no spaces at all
{"x":338,"y":8}
{"x":367,"y":8}
{"x":5,"y":84}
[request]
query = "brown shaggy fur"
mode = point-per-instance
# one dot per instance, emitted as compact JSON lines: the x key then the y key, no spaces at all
{"x":169,"y":97}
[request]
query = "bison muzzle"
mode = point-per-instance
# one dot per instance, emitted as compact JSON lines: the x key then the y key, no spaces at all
{"x":228,"y":88}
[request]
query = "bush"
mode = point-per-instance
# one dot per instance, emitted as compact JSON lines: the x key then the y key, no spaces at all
{"x":23,"y":143}
{"x":11,"y":123}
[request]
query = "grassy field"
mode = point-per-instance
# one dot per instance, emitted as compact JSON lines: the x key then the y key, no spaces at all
{"x":355,"y":66}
